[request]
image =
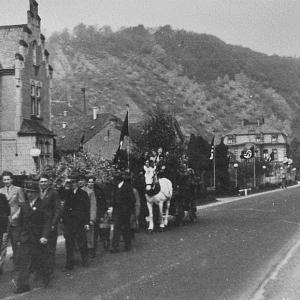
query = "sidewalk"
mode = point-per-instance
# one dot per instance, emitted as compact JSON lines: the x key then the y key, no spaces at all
{"x":221,"y":201}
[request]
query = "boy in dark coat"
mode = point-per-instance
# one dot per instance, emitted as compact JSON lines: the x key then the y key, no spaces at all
{"x":35,"y":228}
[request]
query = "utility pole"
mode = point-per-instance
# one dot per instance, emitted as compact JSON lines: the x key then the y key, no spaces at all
{"x":84,"y":100}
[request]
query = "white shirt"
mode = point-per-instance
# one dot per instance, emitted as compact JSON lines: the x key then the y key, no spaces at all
{"x":32,"y":202}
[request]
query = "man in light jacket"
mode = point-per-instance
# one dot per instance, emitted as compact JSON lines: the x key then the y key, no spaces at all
{"x":90,"y":234}
{"x":15,"y":198}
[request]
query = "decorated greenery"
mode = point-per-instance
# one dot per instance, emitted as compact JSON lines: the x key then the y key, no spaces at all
{"x":82,"y":163}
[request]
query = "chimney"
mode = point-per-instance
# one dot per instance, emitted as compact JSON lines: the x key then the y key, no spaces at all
{"x":95,"y":113}
{"x":258,"y":122}
{"x":65,"y":113}
{"x":64,"y":125}
{"x":243,"y":123}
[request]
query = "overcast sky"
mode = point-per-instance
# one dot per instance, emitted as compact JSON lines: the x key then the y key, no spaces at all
{"x":268,"y":26}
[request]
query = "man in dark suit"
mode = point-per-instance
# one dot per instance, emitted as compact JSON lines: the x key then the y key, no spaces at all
{"x":102,"y":207}
{"x":35,"y":228}
{"x":76,"y":219}
{"x":123,"y":207}
{"x":52,"y":203}
{"x":15,"y":198}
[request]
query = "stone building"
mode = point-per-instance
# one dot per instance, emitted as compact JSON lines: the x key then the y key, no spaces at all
{"x":25,"y":96}
{"x":265,"y":138}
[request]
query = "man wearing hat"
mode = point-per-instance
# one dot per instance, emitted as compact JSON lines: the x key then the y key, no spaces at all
{"x":76,"y":219}
{"x":35,"y":228}
{"x":123,"y":207}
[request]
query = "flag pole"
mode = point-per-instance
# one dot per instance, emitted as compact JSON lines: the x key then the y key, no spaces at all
{"x":128,"y":141}
{"x":254,"y":175}
{"x":214,"y":165}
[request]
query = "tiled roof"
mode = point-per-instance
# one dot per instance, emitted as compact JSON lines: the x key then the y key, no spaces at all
{"x":68,"y":139}
{"x":31,"y":127}
{"x":10,"y":37}
{"x":255,"y":129}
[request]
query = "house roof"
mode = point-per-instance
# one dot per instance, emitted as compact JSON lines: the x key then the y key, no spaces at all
{"x":58,"y":107}
{"x":68,"y":139}
{"x":10,"y":37}
{"x":254,"y":129}
{"x":31,"y":127}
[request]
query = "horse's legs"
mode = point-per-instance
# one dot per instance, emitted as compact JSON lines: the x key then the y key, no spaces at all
{"x":150,"y":210}
{"x":167,"y":211}
{"x":161,"y":217}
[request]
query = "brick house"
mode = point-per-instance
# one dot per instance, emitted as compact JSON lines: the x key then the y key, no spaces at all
{"x":265,"y":138}
{"x":25,"y":95}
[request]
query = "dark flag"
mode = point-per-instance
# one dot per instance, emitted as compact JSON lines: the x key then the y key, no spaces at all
{"x":246,"y":154}
{"x":124,"y":132}
{"x":271,"y":157}
{"x":212,"y":149}
{"x":81,"y":142}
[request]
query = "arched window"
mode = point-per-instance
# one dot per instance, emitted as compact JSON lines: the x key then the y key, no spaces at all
{"x":34,"y":56}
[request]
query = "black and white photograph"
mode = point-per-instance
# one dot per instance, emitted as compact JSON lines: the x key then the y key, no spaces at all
{"x":150,"y":150}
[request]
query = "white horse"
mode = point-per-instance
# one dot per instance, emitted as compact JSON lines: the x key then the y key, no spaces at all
{"x":158,"y":196}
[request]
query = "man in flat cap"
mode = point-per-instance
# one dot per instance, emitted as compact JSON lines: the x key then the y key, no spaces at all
{"x":76,"y":219}
{"x":35,"y":228}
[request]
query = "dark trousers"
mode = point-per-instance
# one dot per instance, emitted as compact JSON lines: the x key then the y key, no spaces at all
{"x":12,"y":235}
{"x":75,"y":232}
{"x":52,"y":243}
{"x":105,"y":237}
{"x":122,"y":227}
{"x":33,"y":255}
{"x":96,"y":235}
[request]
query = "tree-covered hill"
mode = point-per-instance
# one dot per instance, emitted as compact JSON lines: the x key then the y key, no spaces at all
{"x":208,"y":84}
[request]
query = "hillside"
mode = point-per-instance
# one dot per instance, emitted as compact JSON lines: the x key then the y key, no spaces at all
{"x":208,"y":84}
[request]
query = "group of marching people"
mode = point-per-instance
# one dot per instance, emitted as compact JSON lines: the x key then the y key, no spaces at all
{"x":30,"y":217}
{"x":164,"y":165}
{"x":178,"y":171}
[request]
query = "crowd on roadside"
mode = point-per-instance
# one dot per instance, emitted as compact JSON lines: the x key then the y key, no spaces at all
{"x":30,"y":217}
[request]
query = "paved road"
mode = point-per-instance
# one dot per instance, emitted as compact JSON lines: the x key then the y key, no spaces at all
{"x":231,"y":252}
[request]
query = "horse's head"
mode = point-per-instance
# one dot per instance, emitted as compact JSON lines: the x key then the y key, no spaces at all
{"x":149,"y":179}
